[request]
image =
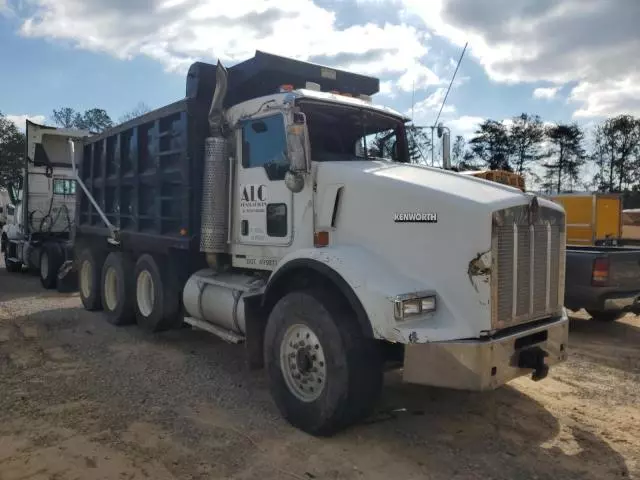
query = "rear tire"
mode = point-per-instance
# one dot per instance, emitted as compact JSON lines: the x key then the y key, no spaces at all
{"x":89,"y":278}
{"x":117,"y":291}
{"x":324,"y":374}
{"x":605,"y":317}
{"x":157,"y":300}
{"x":50,"y":262}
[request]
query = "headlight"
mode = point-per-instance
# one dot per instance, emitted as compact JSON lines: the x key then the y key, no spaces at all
{"x":413,"y":304}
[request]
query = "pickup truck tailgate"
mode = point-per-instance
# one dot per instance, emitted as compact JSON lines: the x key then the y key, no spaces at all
{"x":624,"y":269}
{"x":598,"y":276}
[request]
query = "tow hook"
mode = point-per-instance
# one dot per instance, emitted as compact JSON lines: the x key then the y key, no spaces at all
{"x":534,"y":358}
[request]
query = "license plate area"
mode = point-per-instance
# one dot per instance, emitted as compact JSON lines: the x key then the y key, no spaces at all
{"x":528,"y":340}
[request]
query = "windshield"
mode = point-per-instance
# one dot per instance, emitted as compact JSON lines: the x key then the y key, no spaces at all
{"x":342,"y":133}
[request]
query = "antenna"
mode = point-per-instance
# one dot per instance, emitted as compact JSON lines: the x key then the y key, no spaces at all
{"x":445,"y":97}
{"x":413,"y":99}
{"x":451,"y":83}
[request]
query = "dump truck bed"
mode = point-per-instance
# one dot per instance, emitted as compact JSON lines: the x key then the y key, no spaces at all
{"x":146,"y":176}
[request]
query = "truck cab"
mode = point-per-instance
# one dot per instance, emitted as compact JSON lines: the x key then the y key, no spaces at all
{"x":43,"y":204}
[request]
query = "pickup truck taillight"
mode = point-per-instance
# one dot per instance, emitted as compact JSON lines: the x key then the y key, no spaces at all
{"x":600,"y":274}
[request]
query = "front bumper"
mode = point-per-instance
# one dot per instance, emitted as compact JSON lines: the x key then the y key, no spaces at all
{"x":487,"y":364}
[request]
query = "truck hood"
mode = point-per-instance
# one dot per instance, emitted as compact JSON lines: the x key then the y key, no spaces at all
{"x":436,"y":256}
{"x":454,"y":185}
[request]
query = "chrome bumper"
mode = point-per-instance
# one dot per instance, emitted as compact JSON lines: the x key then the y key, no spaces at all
{"x":487,"y":364}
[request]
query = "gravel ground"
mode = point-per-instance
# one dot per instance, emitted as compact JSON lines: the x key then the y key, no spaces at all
{"x":81,"y":399}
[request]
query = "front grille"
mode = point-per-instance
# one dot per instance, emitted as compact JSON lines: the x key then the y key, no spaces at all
{"x":528,"y":265}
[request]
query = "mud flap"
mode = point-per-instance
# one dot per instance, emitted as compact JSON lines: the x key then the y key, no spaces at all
{"x":67,"y":278}
{"x":534,"y":358}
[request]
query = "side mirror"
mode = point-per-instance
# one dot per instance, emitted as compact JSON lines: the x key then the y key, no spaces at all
{"x":297,"y":144}
{"x":294,"y":181}
{"x":13,"y":189}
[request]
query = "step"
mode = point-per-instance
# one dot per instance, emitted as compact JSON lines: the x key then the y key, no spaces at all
{"x":223,"y":333}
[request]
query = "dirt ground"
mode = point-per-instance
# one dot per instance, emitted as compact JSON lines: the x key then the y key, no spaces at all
{"x":81,"y":399}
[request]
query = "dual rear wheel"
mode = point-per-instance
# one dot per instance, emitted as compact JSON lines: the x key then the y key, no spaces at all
{"x":129,"y":291}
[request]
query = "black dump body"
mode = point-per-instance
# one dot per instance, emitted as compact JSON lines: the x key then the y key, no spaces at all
{"x":146,"y":174}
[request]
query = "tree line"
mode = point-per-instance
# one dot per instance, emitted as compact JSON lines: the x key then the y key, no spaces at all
{"x":95,"y":120}
{"x":554,"y":156}
{"x":551,"y":156}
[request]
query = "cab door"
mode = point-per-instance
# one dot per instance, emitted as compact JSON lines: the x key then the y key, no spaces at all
{"x":264,"y":202}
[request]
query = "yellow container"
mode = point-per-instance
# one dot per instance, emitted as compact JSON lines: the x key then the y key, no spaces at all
{"x":592,"y":218}
{"x":499,"y":176}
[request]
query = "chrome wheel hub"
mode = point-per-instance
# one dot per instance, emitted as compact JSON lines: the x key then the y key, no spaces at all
{"x":302,"y":363}
{"x":86,"y":271}
{"x":145,"y":293}
{"x":111,"y":289}
{"x":44,"y":265}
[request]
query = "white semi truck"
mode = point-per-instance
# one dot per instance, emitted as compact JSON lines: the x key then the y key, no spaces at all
{"x":5,"y":206}
{"x":276,"y":206}
{"x":37,"y":233}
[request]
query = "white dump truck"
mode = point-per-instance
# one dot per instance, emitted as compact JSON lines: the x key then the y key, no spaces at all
{"x":275,"y":206}
{"x":37,"y":233}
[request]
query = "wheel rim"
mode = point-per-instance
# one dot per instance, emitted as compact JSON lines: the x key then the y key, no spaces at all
{"x":86,"y":272}
{"x":111,"y":289}
{"x":302,"y":363}
{"x":145,"y":293}
{"x":44,"y":265}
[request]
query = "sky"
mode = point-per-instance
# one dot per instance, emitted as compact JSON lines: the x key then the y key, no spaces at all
{"x":565,"y":60}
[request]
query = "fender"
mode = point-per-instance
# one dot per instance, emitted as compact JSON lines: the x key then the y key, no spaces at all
{"x":366,"y":280}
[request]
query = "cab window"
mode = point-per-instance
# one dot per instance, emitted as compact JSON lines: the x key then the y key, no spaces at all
{"x":264,"y":144}
{"x":64,"y":186}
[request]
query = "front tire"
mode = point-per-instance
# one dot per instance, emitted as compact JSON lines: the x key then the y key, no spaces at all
{"x":157,"y":300}
{"x":50,"y":262}
{"x":117,"y":289}
{"x":324,"y":374}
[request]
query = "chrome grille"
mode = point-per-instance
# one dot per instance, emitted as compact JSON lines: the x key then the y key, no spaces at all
{"x":528,"y":271}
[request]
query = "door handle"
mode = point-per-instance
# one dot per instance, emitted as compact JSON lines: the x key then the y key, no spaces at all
{"x":244,"y":228}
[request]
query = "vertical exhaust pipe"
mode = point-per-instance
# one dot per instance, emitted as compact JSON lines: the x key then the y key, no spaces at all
{"x":216,"y":111}
{"x":215,"y":183}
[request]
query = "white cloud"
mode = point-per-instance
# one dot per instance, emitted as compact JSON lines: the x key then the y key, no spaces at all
{"x":426,"y":110}
{"x":177,"y":32}
{"x":386,"y":88}
{"x":591,"y":42}
{"x":546,"y":93}
{"x":21,"y":120}
{"x":604,"y":98}
{"x":417,"y":77}
{"x":465,"y":126}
